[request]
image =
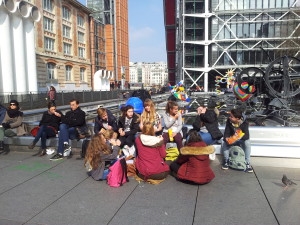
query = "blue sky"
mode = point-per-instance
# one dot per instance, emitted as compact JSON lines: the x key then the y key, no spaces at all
{"x":146,"y":31}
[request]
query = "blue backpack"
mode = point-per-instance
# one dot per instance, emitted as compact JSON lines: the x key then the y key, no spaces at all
{"x":237,"y":158}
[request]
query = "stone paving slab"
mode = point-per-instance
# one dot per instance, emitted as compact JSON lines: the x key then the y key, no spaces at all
{"x":235,"y":197}
{"x":284,"y":202}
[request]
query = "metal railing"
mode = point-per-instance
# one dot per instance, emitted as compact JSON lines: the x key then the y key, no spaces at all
{"x":30,"y":101}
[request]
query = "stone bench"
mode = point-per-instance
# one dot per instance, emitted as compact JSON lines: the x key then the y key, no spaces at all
{"x":20,"y":143}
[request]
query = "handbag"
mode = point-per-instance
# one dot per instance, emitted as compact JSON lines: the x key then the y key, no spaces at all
{"x":34,"y":131}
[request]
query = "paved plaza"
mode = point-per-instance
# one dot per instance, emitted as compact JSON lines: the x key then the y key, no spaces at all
{"x":37,"y":191}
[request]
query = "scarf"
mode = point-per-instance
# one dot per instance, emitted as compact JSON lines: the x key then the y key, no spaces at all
{"x":12,"y":113}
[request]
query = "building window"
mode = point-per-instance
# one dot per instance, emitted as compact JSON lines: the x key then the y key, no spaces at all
{"x":66,"y":31}
{"x":48,"y":5}
{"x":50,"y":70}
{"x":68,"y":73}
{"x":66,"y":13}
{"x":67,"y":48}
{"x":48,"y":24}
{"x":81,"y":52}
{"x":49,"y":43}
{"x":80,"y":37}
{"x":80,"y":21}
{"x":82,"y":74}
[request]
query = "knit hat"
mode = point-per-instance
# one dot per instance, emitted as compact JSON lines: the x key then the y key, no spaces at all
{"x":14,"y":102}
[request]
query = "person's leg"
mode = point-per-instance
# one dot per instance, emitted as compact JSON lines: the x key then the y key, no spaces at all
{"x":38,"y":136}
{"x":72,"y":133}
{"x":246,"y":146}
{"x":225,"y":150}
{"x":178,"y":140}
{"x":166,"y":138}
{"x":174,"y":167}
{"x":1,"y":133}
{"x":9,"y":133}
{"x":122,"y":140}
{"x":62,"y":137}
{"x":207,"y":138}
{"x":129,"y":140}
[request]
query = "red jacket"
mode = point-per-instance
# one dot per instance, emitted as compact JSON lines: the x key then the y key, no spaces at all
{"x":195,"y":167}
{"x":150,"y":160}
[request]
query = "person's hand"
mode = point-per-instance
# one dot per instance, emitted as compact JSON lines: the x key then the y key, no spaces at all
{"x":201,"y":109}
{"x":118,"y":142}
{"x":161,"y":138}
{"x":109,"y":127}
{"x":177,"y":115}
{"x":57,"y":114}
{"x":6,"y":125}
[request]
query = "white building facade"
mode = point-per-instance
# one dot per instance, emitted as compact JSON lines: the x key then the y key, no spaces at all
{"x":148,"y":73}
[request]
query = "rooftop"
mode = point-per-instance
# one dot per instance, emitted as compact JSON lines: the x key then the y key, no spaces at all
{"x":35,"y":190}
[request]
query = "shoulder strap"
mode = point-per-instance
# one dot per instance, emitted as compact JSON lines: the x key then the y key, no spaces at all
{"x":124,"y":170}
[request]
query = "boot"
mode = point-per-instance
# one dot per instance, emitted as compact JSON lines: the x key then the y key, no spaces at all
{"x":43,"y":152}
{"x":1,"y":145}
{"x":32,"y":145}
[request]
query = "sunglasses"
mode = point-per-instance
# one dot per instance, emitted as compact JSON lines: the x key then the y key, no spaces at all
{"x":12,"y":104}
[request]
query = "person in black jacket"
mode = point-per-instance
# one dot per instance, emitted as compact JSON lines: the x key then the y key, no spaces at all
{"x":207,"y":125}
{"x":105,"y":120}
{"x":128,"y":126}
{"x":75,"y":118}
{"x":48,"y":127}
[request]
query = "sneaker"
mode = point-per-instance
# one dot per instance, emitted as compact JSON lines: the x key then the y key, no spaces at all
{"x":50,"y":151}
{"x":56,"y":157}
{"x":249,"y":168}
{"x":225,"y":165}
{"x":67,"y":150}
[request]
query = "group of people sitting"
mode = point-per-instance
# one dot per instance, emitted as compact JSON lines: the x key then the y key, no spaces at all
{"x":142,"y":138}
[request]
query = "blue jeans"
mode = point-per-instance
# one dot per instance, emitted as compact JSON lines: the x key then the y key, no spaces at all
{"x":244,"y":144}
{"x":207,"y":138}
{"x":44,"y":133}
{"x":65,"y":133}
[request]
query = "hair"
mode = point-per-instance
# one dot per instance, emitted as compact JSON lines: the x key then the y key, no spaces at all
{"x":96,"y":146}
{"x":16,"y":103}
{"x":148,"y":129}
{"x":101,"y":112}
{"x":237,"y":113}
{"x":52,"y":88}
{"x":74,"y":100}
{"x":51,"y":104}
{"x":108,"y":134}
{"x":170,"y":105}
{"x":148,"y":116}
{"x":194,"y":136}
{"x":125,"y":109}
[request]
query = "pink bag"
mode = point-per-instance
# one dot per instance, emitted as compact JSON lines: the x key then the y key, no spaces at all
{"x":117,"y":175}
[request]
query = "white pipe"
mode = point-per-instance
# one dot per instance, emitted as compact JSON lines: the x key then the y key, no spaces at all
{"x":7,"y":82}
{"x":10,"y":5}
{"x":19,"y":54}
{"x":30,"y":49}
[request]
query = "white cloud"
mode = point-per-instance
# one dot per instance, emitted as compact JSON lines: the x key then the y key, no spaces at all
{"x":139,"y":34}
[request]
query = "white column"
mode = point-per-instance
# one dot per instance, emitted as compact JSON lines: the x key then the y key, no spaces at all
{"x":19,"y":54}
{"x":30,"y":49}
{"x":206,"y":26}
{"x":6,"y":57}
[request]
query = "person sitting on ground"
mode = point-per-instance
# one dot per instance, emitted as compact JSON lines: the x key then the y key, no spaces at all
{"x":193,"y":161}
{"x":99,"y":151}
{"x":12,"y":124}
{"x":173,"y":124}
{"x":207,"y":125}
{"x":150,"y":162}
{"x":105,"y":120}
{"x":150,"y":115}
{"x":128,"y":126}
{"x":236,"y":134}
{"x":48,"y":127}
{"x":111,"y":137}
{"x":68,"y":129}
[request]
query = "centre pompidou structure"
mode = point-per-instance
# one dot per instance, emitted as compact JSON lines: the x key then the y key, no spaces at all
{"x":206,"y":38}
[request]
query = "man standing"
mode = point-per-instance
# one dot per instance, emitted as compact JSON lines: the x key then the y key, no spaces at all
{"x":75,"y":118}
